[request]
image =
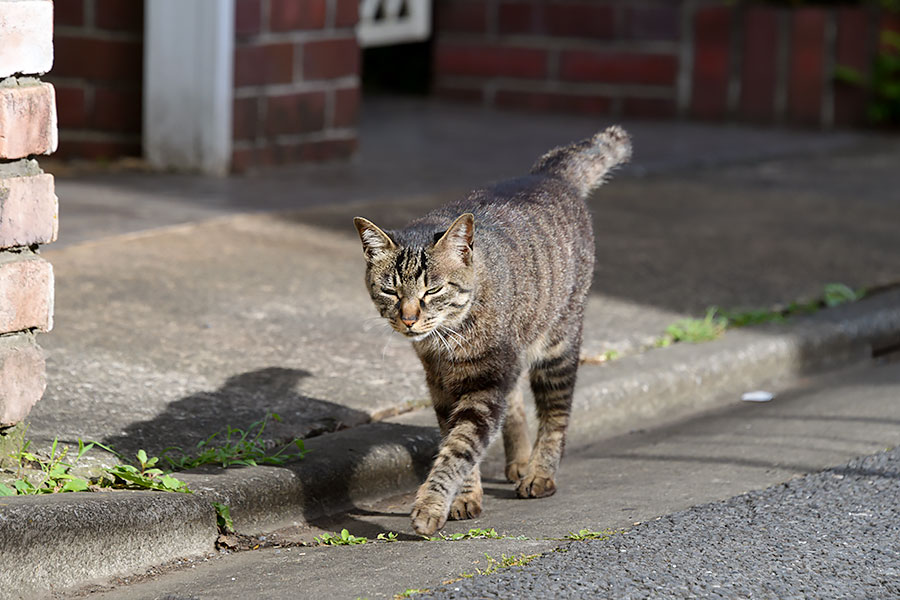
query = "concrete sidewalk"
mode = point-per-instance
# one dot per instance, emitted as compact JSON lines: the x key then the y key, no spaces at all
{"x":164,"y":336}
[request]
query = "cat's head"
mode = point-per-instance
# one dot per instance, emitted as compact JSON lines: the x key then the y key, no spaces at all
{"x":420,"y":288}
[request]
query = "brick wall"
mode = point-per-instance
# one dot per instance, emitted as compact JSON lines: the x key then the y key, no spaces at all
{"x":656,"y":58}
{"x":296,"y":81}
{"x":28,"y":205}
{"x":97,"y":75}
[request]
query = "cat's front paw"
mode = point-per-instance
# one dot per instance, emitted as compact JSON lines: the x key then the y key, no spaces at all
{"x":466,"y":506}
{"x":516,"y":471}
{"x":429,"y":512}
{"x":536,"y":485}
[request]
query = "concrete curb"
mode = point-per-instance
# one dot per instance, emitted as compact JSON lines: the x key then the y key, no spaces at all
{"x":73,"y":538}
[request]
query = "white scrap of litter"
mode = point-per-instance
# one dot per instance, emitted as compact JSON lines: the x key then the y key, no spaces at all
{"x":757,"y":396}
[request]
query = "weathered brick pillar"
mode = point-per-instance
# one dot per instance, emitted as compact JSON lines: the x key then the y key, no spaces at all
{"x":28,"y":205}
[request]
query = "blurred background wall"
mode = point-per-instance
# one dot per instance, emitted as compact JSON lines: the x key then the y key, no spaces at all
{"x":301,"y":68}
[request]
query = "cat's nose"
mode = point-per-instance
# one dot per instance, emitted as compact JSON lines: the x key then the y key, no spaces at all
{"x":409,"y":312}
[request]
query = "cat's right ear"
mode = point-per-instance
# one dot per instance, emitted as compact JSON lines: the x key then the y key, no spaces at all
{"x":374,"y":240}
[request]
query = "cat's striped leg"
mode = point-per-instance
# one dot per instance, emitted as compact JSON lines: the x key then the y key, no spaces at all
{"x":515,"y":436}
{"x":553,"y":383}
{"x":467,"y":504}
{"x":473,"y":424}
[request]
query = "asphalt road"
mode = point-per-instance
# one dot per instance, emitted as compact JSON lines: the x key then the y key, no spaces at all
{"x":832,"y":534}
{"x":683,"y":494}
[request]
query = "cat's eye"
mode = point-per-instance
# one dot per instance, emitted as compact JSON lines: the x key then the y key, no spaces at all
{"x":388,"y":292}
{"x":434,"y":290}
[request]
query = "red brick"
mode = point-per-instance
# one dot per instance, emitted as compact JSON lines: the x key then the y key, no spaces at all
{"x":68,"y":12}
{"x":247,"y":17}
{"x":851,"y":50}
{"x":245,"y":118}
{"x":563,"y":19}
{"x":552,"y":102}
{"x":487,"y":60}
{"x":287,"y":15}
{"x":578,"y":19}
{"x":806,"y":66}
{"x":117,"y":109}
{"x":26,"y":31}
{"x":328,"y":59}
{"x":120,"y":15}
{"x":97,"y":149}
{"x":709,"y":97}
{"x":70,"y":107}
{"x":517,"y":17}
{"x":28,"y":211}
{"x":99,"y":60}
{"x":26,"y":294}
{"x":27,"y":120}
{"x":652,"y":23}
{"x":295,"y":113}
{"x":461,"y":16}
{"x":346,"y":107}
{"x":346,"y":13}
{"x":259,"y":65}
{"x":759,"y":71}
{"x":23,"y":377}
{"x":618,"y":67}
{"x":649,"y":108}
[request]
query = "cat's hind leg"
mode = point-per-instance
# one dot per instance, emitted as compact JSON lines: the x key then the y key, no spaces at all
{"x":553,"y":383}
{"x":515,"y":436}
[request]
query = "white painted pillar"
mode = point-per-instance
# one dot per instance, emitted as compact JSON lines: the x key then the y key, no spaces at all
{"x":188,"y":84}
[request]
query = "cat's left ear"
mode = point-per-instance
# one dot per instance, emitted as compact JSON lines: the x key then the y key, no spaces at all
{"x":374,"y":240}
{"x":458,"y":239}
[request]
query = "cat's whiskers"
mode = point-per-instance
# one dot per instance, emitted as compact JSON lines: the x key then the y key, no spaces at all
{"x":454,"y":335}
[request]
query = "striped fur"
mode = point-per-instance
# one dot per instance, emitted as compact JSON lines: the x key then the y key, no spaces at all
{"x":491,"y":292}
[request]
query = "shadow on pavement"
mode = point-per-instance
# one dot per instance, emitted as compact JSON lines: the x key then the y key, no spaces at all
{"x":242,"y":400}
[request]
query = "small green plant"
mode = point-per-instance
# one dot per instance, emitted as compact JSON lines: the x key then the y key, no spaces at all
{"x":883,"y":84}
{"x":472,"y":534}
{"x":53,"y":474}
{"x":223,"y":517}
{"x":695,"y":330}
{"x":233,"y":446}
{"x":345,"y":538}
{"x":588,"y":534}
{"x":505,"y":562}
{"x":598,"y":359}
{"x":718,"y":320}
{"x":390,"y":536}
{"x":145,"y":475}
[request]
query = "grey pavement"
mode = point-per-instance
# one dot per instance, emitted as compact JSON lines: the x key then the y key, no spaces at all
{"x":685,"y":498}
{"x":185,"y":305}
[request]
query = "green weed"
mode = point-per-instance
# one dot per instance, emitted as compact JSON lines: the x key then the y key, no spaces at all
{"x":345,"y":538}
{"x":588,"y":534}
{"x":233,"y":446}
{"x":144,"y":476}
{"x":51,"y":475}
{"x":390,"y":536}
{"x":718,"y":320}
{"x":223,"y":517}
{"x":695,"y":330}
{"x":472,"y":534}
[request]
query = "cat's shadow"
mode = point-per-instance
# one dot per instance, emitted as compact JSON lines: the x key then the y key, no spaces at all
{"x":243,"y":402}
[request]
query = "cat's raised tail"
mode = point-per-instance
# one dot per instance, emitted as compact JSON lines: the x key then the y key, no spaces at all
{"x":586,"y":164}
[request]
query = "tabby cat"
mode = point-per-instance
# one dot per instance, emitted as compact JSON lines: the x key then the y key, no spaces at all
{"x":485,"y":309}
